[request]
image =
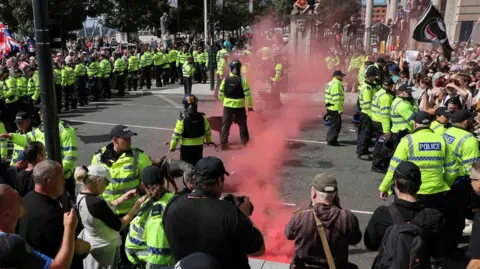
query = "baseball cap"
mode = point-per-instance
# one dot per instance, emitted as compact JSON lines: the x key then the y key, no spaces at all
{"x":388,"y":82}
{"x":152,"y":175}
{"x":324,"y":183}
{"x":209,"y":168}
{"x":98,"y":170}
{"x":21,"y":156}
{"x":461,"y":115}
{"x":196,"y":261}
{"x":394,"y":68}
{"x":422,"y":117}
{"x":408,"y":170}
{"x":338,"y":73}
{"x":21,"y":116}
{"x":443,"y":111}
{"x":121,"y":131}
{"x":404,"y":88}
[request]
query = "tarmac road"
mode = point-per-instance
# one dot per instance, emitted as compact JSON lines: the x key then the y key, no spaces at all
{"x":153,"y":117}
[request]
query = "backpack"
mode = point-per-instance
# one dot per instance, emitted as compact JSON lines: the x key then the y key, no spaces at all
{"x":382,"y":153}
{"x":402,"y":246}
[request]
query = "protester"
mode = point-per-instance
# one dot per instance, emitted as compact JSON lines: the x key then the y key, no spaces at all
{"x":101,"y":224}
{"x":187,"y":217}
{"x":407,"y":181}
{"x":15,"y":252}
{"x":34,"y":153}
{"x":341,"y":228}
{"x":42,"y":227}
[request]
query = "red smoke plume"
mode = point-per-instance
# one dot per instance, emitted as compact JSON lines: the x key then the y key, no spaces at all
{"x":257,"y":166}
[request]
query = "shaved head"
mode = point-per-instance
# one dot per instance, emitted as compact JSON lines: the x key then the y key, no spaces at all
{"x":4,"y":192}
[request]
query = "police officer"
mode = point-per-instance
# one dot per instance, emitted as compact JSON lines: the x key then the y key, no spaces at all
{"x":105,"y":70}
{"x":68,"y":144}
{"x":125,"y":163}
{"x":276,"y":82}
{"x":133,"y":66}
{"x":429,"y":152}
{"x":202,"y":61}
{"x":11,"y":96}
{"x":182,"y":59}
{"x":381,"y":108}
{"x":68,"y":84}
{"x":221,"y":65}
{"x":334,"y":99}
{"x":193,"y":129}
{"x":119,"y":68}
{"x":188,"y":71}
{"x":24,"y":125}
{"x":159,"y":252}
{"x":440,"y":125}
{"x":158,"y":63}
{"x":165,"y":67}
{"x":94,"y":77}
{"x":22,"y":88}
{"x":82,"y":78}
{"x":404,"y":108}
{"x":462,"y":143}
{"x":233,"y":92}
{"x":365,"y":129}
{"x":146,"y":62}
{"x":173,"y":56}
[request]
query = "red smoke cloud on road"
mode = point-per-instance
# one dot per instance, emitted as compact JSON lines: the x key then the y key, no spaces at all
{"x":257,"y":166}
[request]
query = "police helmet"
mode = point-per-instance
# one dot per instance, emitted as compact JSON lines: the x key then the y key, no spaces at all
{"x":235,"y":67}
{"x":190,"y":103}
{"x":327,"y":120}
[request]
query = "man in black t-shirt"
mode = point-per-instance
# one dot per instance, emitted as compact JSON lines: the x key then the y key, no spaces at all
{"x":34,"y":153}
{"x":200,"y":222}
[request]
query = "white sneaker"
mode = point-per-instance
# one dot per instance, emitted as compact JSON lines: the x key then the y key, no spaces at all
{"x":468,"y":227}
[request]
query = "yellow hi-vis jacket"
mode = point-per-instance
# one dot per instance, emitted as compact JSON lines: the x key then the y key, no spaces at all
{"x":465,"y":149}
{"x":381,"y":109}
{"x":334,"y":95}
{"x":179,"y":134}
{"x":430,"y":152}
{"x":236,"y":102}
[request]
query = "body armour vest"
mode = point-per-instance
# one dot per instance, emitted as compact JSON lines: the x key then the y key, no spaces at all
{"x":233,"y":87}
{"x":194,"y":125}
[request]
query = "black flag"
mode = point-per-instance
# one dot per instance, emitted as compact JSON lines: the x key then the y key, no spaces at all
{"x":431,"y":29}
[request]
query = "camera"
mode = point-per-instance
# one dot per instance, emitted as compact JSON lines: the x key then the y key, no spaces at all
{"x":237,"y":201}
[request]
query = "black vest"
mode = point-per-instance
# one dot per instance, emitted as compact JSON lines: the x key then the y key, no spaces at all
{"x":233,"y":87}
{"x":193,"y":125}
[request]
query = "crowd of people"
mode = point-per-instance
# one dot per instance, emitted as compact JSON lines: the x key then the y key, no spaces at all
{"x":419,"y":108}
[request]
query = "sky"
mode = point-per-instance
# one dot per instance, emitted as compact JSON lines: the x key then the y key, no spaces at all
{"x":375,"y":2}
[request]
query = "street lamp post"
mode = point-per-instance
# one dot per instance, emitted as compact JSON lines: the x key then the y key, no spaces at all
{"x":47,"y":92}
{"x":212,"y":47}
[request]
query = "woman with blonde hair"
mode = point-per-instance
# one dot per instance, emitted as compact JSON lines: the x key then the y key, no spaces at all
{"x":101,"y":225}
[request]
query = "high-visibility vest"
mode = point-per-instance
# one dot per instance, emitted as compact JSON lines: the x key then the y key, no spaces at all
{"x":402,"y":115}
{"x":68,"y":144}
{"x":68,"y":76}
{"x":119,"y":66}
{"x":135,"y":243}
{"x":133,"y":63}
{"x":10,"y":90}
{"x":464,"y":147}
{"x":381,"y":109}
{"x":334,"y":95}
{"x":429,"y":151}
{"x":438,"y":127}
{"x":126,"y":172}
{"x":159,"y":251}
{"x":367,"y":91}
{"x":22,"y":86}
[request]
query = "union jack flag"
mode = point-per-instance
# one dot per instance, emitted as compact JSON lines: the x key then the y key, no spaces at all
{"x":7,"y":42}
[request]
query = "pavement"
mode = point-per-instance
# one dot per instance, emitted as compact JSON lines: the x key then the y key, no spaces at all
{"x":153,"y":114}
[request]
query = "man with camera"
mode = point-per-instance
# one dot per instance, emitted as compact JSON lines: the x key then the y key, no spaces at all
{"x":201,"y":222}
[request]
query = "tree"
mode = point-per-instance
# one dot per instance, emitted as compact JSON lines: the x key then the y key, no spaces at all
{"x":18,"y":14}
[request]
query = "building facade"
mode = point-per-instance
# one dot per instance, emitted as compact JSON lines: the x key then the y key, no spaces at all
{"x":461,"y":18}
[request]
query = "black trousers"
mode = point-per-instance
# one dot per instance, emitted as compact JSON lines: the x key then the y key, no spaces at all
{"x":203,"y":71}
{"x":187,"y":85}
{"x":180,"y":72}
{"x":81,"y":88}
{"x":173,"y":73}
{"x":58,"y":95}
{"x":12,"y":110}
{"x":70,"y":97}
{"x":107,"y":93}
{"x":120,"y":83}
{"x":240,"y":118}
{"x":146,"y":77}
{"x":459,"y":202}
{"x":165,"y":75}
{"x":191,"y":154}
{"x":94,"y":87}
{"x":398,"y":136}
{"x":365,"y":131}
{"x":438,"y":201}
{"x":335,"y":126}
{"x":132,"y":80}
{"x":158,"y":76}
{"x":217,"y":87}
{"x":377,"y":130}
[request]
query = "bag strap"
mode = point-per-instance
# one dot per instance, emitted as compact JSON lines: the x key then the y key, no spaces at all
{"x":323,"y":237}
{"x":395,"y":214}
